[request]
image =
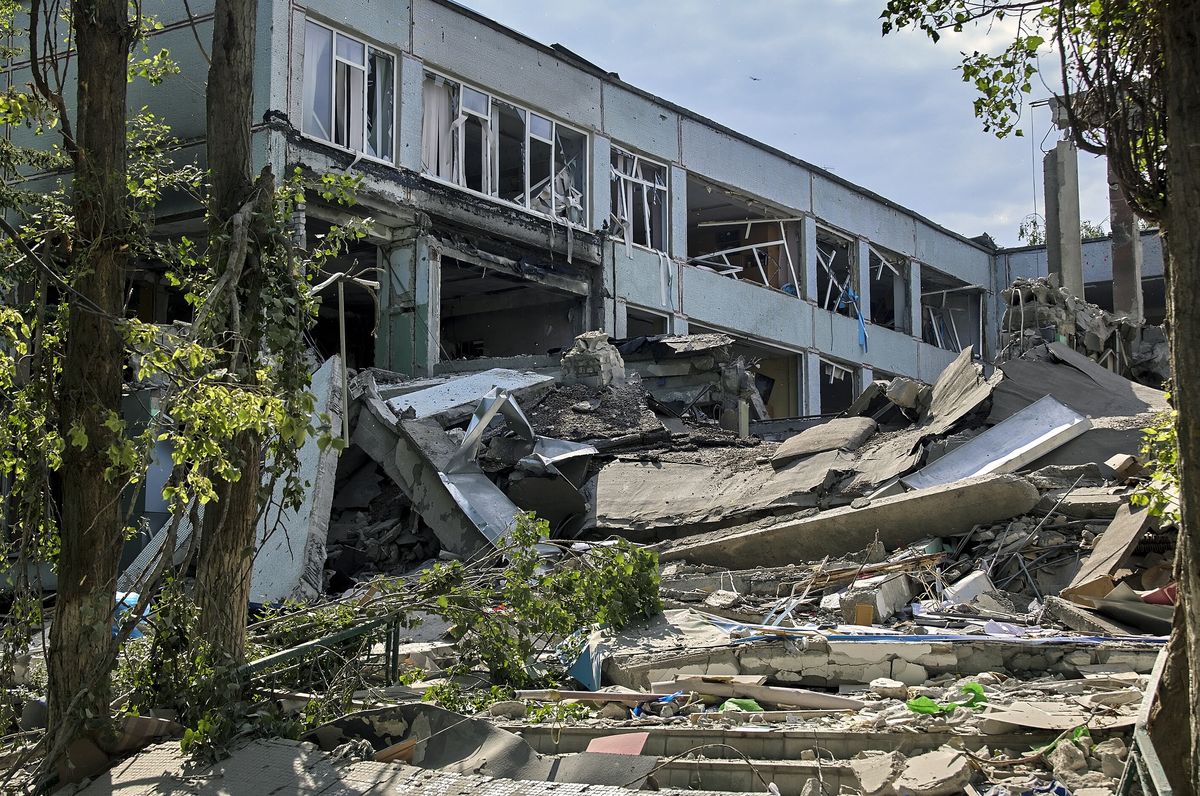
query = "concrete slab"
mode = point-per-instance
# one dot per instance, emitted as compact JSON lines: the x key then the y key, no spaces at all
{"x":414,"y":453}
{"x":651,"y":500}
{"x":456,"y":398}
{"x":841,"y":433}
{"x":1025,"y":437}
{"x":896,"y":521}
{"x":290,"y":554}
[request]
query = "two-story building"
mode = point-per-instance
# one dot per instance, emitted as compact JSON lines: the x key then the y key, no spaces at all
{"x":521,"y":195}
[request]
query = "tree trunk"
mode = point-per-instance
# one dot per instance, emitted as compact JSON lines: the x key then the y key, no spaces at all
{"x":227,"y":544}
{"x":90,"y":529}
{"x":1181,"y":40}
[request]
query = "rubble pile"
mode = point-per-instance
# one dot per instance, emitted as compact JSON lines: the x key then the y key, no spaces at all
{"x":945,"y":589}
{"x":1038,"y":310}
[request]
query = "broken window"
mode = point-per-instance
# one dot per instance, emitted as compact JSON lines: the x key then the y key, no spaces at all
{"x":475,"y":140}
{"x":951,"y":312}
{"x":838,"y":388}
{"x":889,"y":290}
{"x":349,"y":92}
{"x":509,"y":152}
{"x":479,"y":142}
{"x":639,"y":200}
{"x":741,"y":237}
{"x":836,"y":285}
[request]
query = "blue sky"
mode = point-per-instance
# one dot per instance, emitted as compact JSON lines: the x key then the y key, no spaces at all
{"x":889,"y":113}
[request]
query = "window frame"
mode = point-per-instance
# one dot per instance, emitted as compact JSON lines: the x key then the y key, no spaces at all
{"x":364,"y":67}
{"x":428,"y":71}
{"x":666,"y":189}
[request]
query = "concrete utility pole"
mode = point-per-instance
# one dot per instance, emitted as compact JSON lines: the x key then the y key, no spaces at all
{"x":1064,"y":249}
{"x":1126,"y":253}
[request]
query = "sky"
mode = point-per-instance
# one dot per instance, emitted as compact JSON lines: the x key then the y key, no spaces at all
{"x":816,"y":79}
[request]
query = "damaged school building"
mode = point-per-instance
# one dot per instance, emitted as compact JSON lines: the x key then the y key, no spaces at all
{"x":886,"y":468}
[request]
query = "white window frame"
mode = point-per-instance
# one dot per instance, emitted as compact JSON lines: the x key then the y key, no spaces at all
{"x":555,"y":124}
{"x":631,"y":180}
{"x":335,"y":59}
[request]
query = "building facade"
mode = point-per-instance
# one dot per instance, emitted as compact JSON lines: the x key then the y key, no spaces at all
{"x":520,"y":195}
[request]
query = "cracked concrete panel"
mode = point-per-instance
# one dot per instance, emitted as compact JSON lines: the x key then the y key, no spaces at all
{"x":650,"y":500}
{"x":895,"y":521}
{"x":290,"y":556}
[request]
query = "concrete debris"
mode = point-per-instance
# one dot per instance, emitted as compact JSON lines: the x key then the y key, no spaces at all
{"x":923,"y":589}
{"x":897,"y":521}
{"x":1039,"y":311}
{"x":593,"y":362}
{"x":845,"y":433}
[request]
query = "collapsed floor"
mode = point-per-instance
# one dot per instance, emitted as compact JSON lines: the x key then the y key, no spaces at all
{"x":928,"y":594}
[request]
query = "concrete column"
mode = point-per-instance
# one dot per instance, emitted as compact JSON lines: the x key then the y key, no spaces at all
{"x":677,"y":209}
{"x":900,"y":296}
{"x":601,"y":187}
{"x":410,"y":112}
{"x":812,"y":383}
{"x":1126,"y":254}
{"x":862,"y":277}
{"x":1064,"y":249}
{"x":620,"y":328}
{"x":914,"y":299}
{"x":410,"y":301}
{"x":677,"y":324}
{"x":866,"y":375}
{"x":808,"y":259}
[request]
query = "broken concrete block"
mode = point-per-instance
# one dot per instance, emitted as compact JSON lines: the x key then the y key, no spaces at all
{"x":876,"y":773}
{"x":907,"y":393}
{"x":968,"y":588}
{"x":881,"y":596}
{"x":943,"y":772}
{"x":1065,"y":757}
{"x":1123,"y":465}
{"x":1085,"y":503}
{"x":1112,"y":746}
{"x":888,"y":688}
{"x":593,"y":361}
{"x":841,"y":433}
{"x":511,"y":709}
{"x":942,"y":511}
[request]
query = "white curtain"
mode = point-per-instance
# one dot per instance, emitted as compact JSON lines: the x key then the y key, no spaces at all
{"x":437,"y":146}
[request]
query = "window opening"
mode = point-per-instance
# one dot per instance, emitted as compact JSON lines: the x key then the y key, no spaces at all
{"x":639,"y":201}
{"x":349,"y":92}
{"x":837,"y":387}
{"x":509,"y":154}
{"x":889,"y":290}
{"x":951,"y":312}
{"x":741,"y":237}
{"x":835,"y":276}
{"x":484,"y":144}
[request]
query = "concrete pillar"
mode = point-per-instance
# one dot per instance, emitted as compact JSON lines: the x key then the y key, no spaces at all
{"x":677,"y":207}
{"x":808,"y":260}
{"x":677,"y":324}
{"x":410,"y":109}
{"x":620,"y":328}
{"x":1126,"y":254}
{"x":601,"y":182}
{"x":410,"y":301}
{"x":914,"y":298}
{"x":900,"y":298}
{"x":862,"y":277}
{"x":866,"y":375}
{"x":1064,"y":248}
{"x":812,"y":383}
